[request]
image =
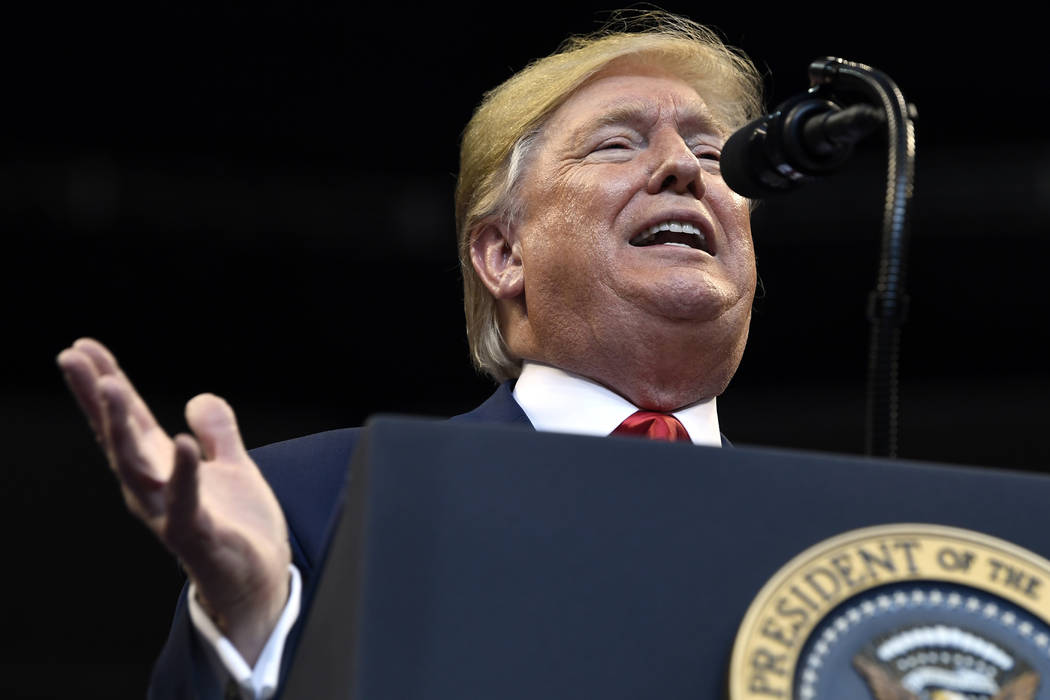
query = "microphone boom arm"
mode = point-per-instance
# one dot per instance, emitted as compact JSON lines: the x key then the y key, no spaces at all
{"x":813,"y":134}
{"x":888,"y":302}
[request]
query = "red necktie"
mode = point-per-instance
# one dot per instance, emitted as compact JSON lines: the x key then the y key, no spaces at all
{"x":653,"y":425}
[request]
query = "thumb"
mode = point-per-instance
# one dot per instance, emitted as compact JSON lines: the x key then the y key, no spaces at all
{"x":212,"y":420}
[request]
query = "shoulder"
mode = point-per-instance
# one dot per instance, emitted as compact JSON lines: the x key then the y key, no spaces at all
{"x":289,"y":454}
{"x":308,"y":474}
{"x":500,"y":407}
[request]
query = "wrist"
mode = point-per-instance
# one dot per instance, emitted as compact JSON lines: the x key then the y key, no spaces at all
{"x":248,"y":623}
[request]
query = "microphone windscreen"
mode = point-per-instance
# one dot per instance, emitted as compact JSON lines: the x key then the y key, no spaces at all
{"x":743,"y":161}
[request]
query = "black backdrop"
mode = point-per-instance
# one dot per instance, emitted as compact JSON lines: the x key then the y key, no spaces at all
{"x":255,"y":200}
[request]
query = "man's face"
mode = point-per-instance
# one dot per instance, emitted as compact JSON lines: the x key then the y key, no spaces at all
{"x":629,"y":232}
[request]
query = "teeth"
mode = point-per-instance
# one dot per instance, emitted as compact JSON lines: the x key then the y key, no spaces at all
{"x":676,"y":226}
{"x":646,"y":237}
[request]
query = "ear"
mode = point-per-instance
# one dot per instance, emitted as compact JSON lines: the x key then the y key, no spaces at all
{"x":497,"y":259}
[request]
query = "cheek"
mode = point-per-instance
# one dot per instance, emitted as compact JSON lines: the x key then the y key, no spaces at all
{"x":565,"y":260}
{"x":569,"y":224}
{"x":734,"y":214}
{"x":747,"y":272}
{"x":570,"y":232}
{"x":594,"y":194}
{"x":729,"y":204}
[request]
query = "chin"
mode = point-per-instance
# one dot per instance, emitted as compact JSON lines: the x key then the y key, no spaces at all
{"x":689,"y":295}
{"x":698,"y":305}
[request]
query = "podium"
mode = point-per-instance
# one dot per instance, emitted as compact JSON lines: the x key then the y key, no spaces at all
{"x":497,"y":562}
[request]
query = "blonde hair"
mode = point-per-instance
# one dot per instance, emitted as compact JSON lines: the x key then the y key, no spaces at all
{"x":497,"y":141}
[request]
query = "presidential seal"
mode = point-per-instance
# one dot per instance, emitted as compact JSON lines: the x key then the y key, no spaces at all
{"x":899,"y":612}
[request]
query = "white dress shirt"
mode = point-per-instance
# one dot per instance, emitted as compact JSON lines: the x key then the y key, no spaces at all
{"x":256,"y":683}
{"x":554,"y":401}
{"x":557,"y":401}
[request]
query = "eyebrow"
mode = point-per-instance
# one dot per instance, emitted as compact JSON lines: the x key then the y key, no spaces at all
{"x":636,"y":112}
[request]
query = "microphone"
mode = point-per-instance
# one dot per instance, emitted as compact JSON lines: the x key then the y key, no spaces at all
{"x":806,"y":136}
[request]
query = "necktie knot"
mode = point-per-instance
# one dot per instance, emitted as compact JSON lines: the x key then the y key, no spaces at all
{"x":653,"y":425}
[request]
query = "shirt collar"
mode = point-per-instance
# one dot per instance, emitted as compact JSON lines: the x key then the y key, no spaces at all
{"x":563,"y":402}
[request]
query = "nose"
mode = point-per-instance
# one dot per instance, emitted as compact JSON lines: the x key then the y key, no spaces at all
{"x":677,"y":168}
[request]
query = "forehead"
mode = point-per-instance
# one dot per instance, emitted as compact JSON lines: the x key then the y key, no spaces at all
{"x":635,"y":97}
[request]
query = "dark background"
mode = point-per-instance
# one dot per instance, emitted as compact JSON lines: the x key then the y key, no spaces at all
{"x":255,"y":200}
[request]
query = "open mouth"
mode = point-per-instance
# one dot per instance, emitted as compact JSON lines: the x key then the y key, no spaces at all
{"x":677,"y":233}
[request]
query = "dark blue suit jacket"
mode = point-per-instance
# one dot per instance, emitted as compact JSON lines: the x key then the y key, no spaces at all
{"x":307,"y":474}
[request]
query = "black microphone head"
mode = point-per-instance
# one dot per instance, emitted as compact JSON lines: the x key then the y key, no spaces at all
{"x":745,"y":165}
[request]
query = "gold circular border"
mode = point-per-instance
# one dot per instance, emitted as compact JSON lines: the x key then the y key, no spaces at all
{"x":766,"y":649}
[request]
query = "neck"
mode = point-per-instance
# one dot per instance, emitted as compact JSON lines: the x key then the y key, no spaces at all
{"x":654,"y":371}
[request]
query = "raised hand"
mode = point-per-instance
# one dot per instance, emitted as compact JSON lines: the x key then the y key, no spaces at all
{"x":204,"y":498}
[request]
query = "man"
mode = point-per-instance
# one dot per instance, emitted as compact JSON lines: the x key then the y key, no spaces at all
{"x":607,"y":268}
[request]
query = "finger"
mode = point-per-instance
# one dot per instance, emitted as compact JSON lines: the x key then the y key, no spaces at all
{"x":123,"y":442}
{"x":215,"y":425}
{"x":82,"y":378}
{"x":105,"y":362}
{"x":182,"y":501}
{"x":106,"y":365}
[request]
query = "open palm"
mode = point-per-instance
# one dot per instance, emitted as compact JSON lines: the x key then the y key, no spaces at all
{"x":201,"y":495}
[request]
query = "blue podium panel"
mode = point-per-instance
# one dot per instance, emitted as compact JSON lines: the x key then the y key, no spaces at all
{"x":497,"y":562}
